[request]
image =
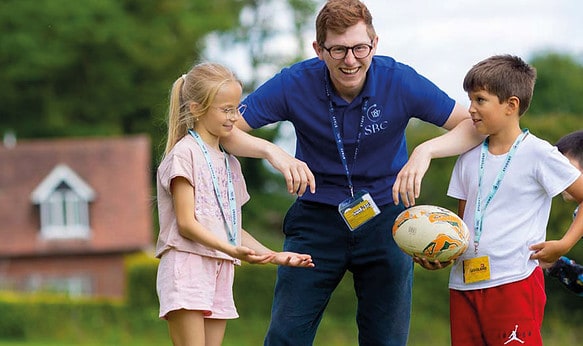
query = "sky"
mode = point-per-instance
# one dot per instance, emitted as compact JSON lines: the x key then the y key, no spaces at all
{"x":443,"y":39}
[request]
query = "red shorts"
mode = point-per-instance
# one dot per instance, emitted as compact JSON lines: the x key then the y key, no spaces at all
{"x":510,"y":314}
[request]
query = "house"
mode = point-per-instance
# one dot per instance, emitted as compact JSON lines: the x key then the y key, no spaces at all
{"x":71,"y":210}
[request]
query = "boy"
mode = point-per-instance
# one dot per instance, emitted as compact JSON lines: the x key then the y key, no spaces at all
{"x":505,"y":187}
{"x":567,"y":271}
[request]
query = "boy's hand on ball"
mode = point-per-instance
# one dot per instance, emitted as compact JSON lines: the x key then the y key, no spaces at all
{"x":435,"y":265}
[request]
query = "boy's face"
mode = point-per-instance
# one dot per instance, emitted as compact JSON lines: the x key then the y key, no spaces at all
{"x":565,"y":194}
{"x":489,"y":115}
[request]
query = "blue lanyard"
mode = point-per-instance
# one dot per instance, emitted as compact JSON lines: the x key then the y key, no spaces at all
{"x":479,"y":214}
{"x":338,"y":136}
{"x":231,"y":231}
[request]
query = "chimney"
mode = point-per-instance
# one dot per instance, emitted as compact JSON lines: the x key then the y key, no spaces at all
{"x":9,"y":139}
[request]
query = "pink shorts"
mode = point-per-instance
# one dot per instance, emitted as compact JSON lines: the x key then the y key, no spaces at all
{"x":193,"y":282}
{"x":510,"y":314}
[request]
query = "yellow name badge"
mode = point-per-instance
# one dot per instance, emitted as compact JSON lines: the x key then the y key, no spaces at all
{"x":476,"y":269}
{"x":358,"y":210}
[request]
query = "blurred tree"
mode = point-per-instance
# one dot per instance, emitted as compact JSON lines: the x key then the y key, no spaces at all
{"x":98,"y":67}
{"x":268,"y":45}
{"x":271,"y":33}
{"x":559,"y":84}
{"x":104,"y":67}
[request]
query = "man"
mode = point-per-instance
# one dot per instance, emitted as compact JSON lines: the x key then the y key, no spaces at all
{"x":349,"y":109}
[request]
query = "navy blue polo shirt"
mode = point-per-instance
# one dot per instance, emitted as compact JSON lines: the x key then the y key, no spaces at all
{"x":393,"y":93}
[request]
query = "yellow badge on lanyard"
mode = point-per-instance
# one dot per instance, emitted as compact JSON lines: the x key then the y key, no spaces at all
{"x":476,"y":269}
{"x":358,"y":209}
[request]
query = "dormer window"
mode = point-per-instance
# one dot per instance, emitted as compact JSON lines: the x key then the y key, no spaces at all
{"x":63,"y":198}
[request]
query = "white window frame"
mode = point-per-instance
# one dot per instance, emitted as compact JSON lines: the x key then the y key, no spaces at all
{"x":63,"y":198}
{"x":64,"y":215}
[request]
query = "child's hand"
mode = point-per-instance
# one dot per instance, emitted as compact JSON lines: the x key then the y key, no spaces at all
{"x":548,"y":251}
{"x":435,"y":265}
{"x":293,"y":259}
{"x":248,"y":255}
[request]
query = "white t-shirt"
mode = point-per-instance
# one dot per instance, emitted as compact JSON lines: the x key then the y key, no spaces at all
{"x":518,"y":214}
{"x":187,"y":160}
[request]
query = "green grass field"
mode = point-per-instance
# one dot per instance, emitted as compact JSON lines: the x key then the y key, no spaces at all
{"x":250,"y":332}
{"x":429,"y":323}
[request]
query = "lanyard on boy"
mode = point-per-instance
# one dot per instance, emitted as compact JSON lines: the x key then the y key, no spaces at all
{"x":338,"y":136}
{"x":232,"y":230}
{"x":479,"y":214}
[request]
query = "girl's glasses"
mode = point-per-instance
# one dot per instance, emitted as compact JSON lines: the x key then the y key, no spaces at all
{"x":233,"y":113}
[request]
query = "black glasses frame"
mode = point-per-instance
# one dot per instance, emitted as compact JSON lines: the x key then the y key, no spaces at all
{"x":346,"y":49}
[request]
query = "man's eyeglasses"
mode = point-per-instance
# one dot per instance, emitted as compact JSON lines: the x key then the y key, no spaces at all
{"x":360,"y":51}
{"x":233,"y":113}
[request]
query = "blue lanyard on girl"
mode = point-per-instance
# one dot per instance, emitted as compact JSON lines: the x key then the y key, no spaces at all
{"x":231,"y":231}
{"x":479,"y":214}
{"x":338,"y":137}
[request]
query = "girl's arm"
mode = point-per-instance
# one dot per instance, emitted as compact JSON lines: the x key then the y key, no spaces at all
{"x":190,"y":228}
{"x":251,"y":250}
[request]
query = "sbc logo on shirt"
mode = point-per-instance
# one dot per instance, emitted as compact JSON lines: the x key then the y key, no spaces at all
{"x":374,"y":113}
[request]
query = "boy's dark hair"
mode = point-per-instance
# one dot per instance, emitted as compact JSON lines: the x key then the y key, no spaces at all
{"x":572,"y":146}
{"x":504,"y":76}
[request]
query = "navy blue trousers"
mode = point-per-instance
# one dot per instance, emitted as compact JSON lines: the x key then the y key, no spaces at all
{"x":383,"y":276}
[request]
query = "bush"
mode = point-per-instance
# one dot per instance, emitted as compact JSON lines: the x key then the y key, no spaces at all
{"x":141,"y":269}
{"x":38,"y":316}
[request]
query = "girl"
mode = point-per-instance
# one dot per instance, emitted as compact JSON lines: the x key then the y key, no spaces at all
{"x":200,"y":190}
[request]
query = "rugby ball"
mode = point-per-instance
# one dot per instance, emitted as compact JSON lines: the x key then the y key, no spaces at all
{"x":432,"y":232}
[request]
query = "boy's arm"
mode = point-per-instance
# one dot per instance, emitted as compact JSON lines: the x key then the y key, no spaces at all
{"x":461,"y":137}
{"x":550,"y":251}
{"x":461,"y":206}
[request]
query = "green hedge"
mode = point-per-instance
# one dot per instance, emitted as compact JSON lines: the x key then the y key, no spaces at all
{"x":43,"y":319}
{"x":58,"y":317}
{"x":43,"y":316}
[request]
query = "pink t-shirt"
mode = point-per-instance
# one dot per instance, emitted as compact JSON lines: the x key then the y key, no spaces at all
{"x":187,"y":160}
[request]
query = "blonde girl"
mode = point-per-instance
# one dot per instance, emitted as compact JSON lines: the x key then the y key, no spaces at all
{"x":200,"y":191}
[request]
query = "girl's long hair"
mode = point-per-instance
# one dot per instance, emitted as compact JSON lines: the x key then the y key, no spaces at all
{"x":200,"y":85}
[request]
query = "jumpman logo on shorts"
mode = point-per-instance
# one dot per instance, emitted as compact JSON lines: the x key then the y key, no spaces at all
{"x":513,"y":337}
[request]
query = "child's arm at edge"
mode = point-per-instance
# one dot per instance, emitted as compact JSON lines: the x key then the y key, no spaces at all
{"x":550,"y":251}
